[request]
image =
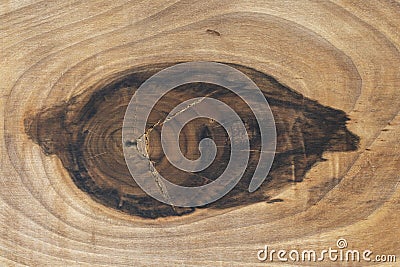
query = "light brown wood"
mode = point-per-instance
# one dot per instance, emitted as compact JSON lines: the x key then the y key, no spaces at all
{"x":343,"y":54}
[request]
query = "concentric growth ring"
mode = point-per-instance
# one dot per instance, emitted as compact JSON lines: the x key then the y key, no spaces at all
{"x":152,"y":90}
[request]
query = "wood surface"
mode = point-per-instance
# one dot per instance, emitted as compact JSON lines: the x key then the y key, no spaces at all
{"x":329,"y":69}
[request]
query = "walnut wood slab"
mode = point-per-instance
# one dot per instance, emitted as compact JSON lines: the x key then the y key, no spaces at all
{"x":329,"y":69}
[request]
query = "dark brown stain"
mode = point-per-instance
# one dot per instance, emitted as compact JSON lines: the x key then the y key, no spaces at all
{"x":275,"y":200}
{"x":85,"y":133}
{"x":213,"y":32}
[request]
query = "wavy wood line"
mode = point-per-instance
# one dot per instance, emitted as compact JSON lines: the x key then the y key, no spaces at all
{"x":341,"y":58}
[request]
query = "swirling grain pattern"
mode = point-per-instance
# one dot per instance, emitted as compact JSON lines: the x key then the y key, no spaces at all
{"x":343,"y":54}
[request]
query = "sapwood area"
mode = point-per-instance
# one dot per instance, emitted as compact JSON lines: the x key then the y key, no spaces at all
{"x":329,"y":70}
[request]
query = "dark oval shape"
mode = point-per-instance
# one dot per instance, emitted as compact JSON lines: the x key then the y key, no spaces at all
{"x":85,"y":133}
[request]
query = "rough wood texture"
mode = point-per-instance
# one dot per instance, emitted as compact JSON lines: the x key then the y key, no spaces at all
{"x":68,"y":71}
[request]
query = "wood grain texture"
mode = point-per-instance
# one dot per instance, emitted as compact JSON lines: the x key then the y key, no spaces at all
{"x":85,"y":133}
{"x":342,"y":54}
